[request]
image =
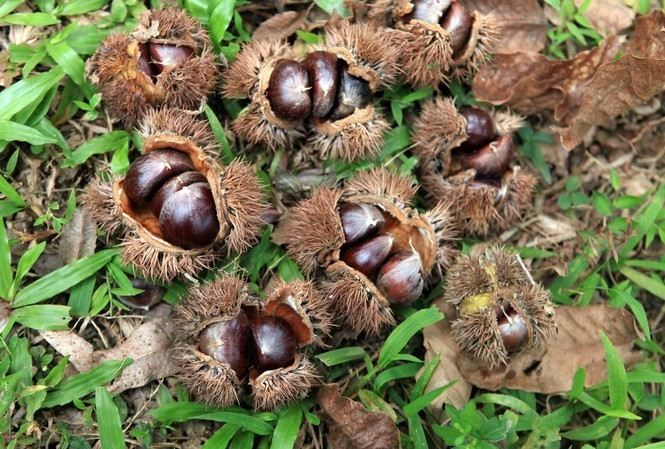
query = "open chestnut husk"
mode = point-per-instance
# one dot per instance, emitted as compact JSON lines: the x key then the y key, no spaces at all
{"x":178,"y":210}
{"x":437,"y":38}
{"x":324,"y":97}
{"x":467,"y":160}
{"x":166,"y":60}
{"x":368,"y":263}
{"x":230,"y":338}
{"x":501,"y":310}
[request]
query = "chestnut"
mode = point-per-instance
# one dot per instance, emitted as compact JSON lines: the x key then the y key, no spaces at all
{"x":479,"y":128}
{"x":492,"y":160}
{"x":367,"y":257}
{"x":151,"y":170}
{"x":353,"y":93}
{"x":150,"y":295}
{"x":321,"y":67}
{"x":168,"y":55}
{"x":188,"y":218}
{"x":512,"y":328}
{"x":144,"y":60}
{"x":359,"y":220}
{"x":401,"y":278}
{"x":429,"y":11}
{"x":172,"y":186}
{"x":275,"y":343}
{"x":229,"y":342}
{"x":458,"y":21}
{"x":288,"y":91}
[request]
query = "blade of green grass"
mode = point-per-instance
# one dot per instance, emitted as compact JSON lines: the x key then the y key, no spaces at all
{"x":108,"y":420}
{"x":286,"y":430}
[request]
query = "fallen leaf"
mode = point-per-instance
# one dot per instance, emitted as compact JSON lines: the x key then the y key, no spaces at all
{"x":437,"y":339}
{"x":608,"y":17}
{"x":522,"y":23}
{"x":281,"y":25}
{"x":78,"y":238}
{"x":351,"y":426}
{"x":149,"y":346}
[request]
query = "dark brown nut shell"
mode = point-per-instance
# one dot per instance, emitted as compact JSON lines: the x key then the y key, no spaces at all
{"x":458,"y":21}
{"x":401,"y":278}
{"x":275,"y":343}
{"x":492,"y":160}
{"x":151,"y":294}
{"x":188,"y":218}
{"x":229,"y":342}
{"x":368,"y":256}
{"x":172,"y":186}
{"x":288,"y":91}
{"x":323,"y":74}
{"x":151,"y":170}
{"x":165,"y":56}
{"x":479,"y":128}
{"x":513,"y":330}
{"x":353,"y":93}
{"x":359,"y":220}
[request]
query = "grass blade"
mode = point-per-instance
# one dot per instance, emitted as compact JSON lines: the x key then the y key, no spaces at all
{"x":286,"y":430}
{"x":108,"y":421}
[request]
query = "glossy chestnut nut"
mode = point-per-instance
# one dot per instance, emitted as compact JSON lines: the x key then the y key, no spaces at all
{"x":401,"y":278}
{"x":492,"y":160}
{"x":275,"y":343}
{"x":323,"y":75}
{"x":188,"y":218}
{"x":353,"y":93}
{"x":229,"y":342}
{"x":168,"y":55}
{"x":150,"y":171}
{"x":458,"y":21}
{"x":429,"y":11}
{"x":368,"y":256}
{"x":172,"y":186}
{"x":150,"y":295}
{"x":479,"y":128}
{"x":288,"y":91}
{"x":512,"y":328}
{"x":359,"y":220}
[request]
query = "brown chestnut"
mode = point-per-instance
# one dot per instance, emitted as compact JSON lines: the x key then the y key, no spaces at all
{"x":188,"y":218}
{"x":150,"y":171}
{"x":323,"y":74}
{"x":458,"y":21}
{"x":479,"y":128}
{"x":275,"y":343}
{"x":288,"y":91}
{"x":359,"y":220}
{"x":368,"y":256}
{"x":172,"y":186}
{"x":492,"y":160}
{"x":168,"y":55}
{"x":229,"y":342}
{"x":512,"y":328}
{"x":353,"y":93}
{"x":150,"y":295}
{"x":144,"y":60}
{"x":429,"y":11}
{"x":401,"y":278}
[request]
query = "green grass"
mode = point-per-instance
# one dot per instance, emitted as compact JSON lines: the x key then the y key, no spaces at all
{"x":620,"y":262}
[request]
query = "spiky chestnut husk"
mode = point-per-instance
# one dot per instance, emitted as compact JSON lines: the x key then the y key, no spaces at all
{"x":314,"y":237}
{"x":297,"y":303}
{"x":427,"y":55}
{"x":235,"y":188}
{"x":478,"y":208}
{"x":480,"y":285}
{"x":358,"y":135}
{"x":128,"y":92}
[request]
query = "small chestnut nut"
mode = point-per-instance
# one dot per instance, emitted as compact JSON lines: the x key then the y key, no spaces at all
{"x":150,"y":295}
{"x":168,"y":55}
{"x":353,"y":93}
{"x":512,"y":328}
{"x":230,"y":342}
{"x":321,"y":67}
{"x":275,"y":343}
{"x":401,"y":279}
{"x":429,"y":11}
{"x":288,"y":91}
{"x":359,"y":220}
{"x":479,"y":128}
{"x":151,"y":170}
{"x":367,"y":257}
{"x":458,"y":21}
{"x":492,"y":160}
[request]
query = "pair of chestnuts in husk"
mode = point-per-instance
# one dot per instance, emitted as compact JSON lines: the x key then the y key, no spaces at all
{"x":500,"y":309}
{"x":228,"y":338}
{"x":466,"y":161}
{"x":323,"y":98}
{"x":437,"y":38}
{"x":370,"y":247}
{"x":178,"y":210}
{"x":165,"y":61}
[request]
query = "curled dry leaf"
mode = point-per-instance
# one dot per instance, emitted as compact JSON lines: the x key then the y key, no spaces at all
{"x":280,"y":26}
{"x":546,"y":370}
{"x":351,"y":426}
{"x":148,"y":345}
{"x":522,"y":23}
{"x":79,"y":237}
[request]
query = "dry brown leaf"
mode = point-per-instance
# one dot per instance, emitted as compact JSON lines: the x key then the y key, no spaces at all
{"x":79,"y":237}
{"x":608,"y":17}
{"x":522,"y":23}
{"x":438,"y":340}
{"x":280,"y":26}
{"x":351,"y":426}
{"x":148,"y":345}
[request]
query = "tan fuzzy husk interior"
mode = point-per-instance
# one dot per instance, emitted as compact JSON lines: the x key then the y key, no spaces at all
{"x":144,"y":222}
{"x":286,"y":303}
